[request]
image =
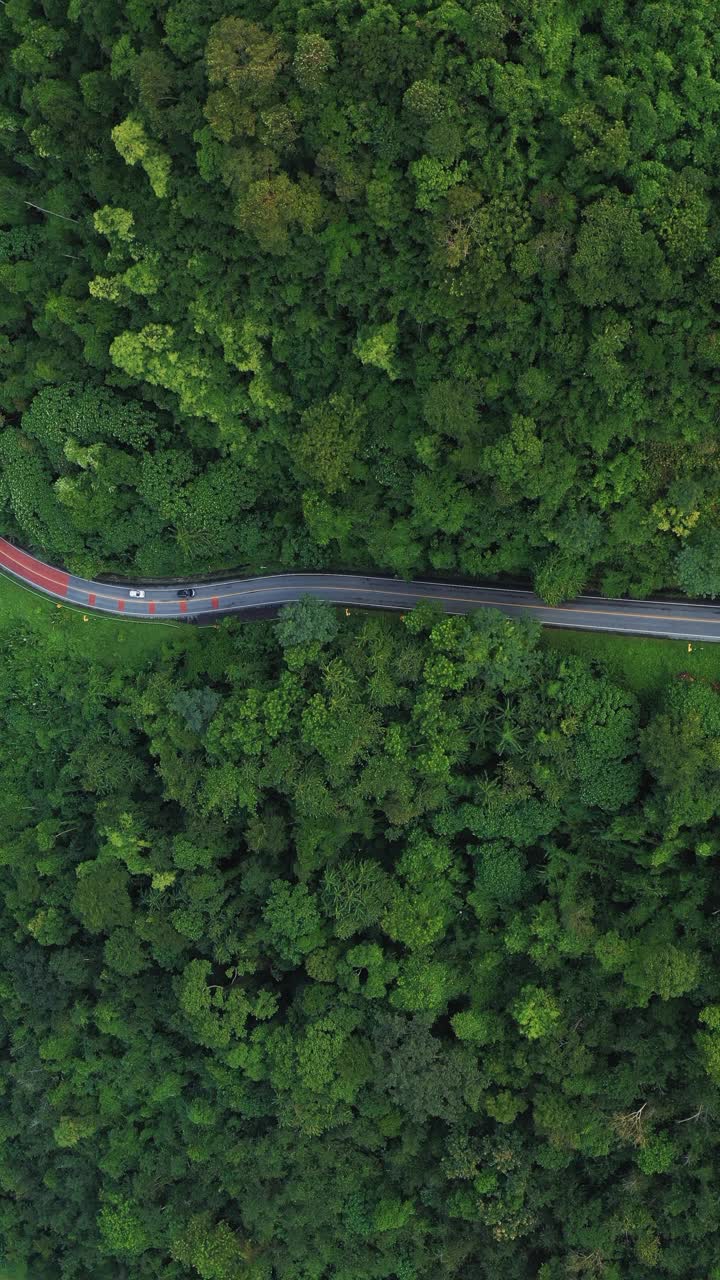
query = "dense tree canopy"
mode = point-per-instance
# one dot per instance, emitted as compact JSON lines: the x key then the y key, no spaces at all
{"x":423,"y":285}
{"x":383,"y":950}
{"x":388,"y":953}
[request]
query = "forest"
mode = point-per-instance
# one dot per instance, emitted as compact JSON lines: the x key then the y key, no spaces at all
{"x":347,"y":946}
{"x":428,"y":286}
{"x":386,"y":950}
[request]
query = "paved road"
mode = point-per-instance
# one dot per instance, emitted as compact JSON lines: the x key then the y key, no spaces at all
{"x":587,"y":613}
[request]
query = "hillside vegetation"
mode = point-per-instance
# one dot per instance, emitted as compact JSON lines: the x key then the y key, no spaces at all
{"x":419,"y":285}
{"x":381,"y":953}
{"x":359,"y":947}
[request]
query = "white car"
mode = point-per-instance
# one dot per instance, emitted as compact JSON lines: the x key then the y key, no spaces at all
{"x":136,"y":595}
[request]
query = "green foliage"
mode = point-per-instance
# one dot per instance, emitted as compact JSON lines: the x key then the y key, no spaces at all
{"x":425,"y":286}
{"x":328,"y":445}
{"x":560,"y":578}
{"x":698,"y":565}
{"x":124,"y":953}
{"x":136,"y":148}
{"x":197,"y":707}
{"x":536,"y":1012}
{"x":500,"y":876}
{"x":307,"y":623}
{"x":356,"y":893}
{"x":213,"y":1251}
{"x":101,"y":898}
{"x":313,"y":58}
{"x":382,"y":952}
{"x":377,"y":347}
{"x":293,"y":921}
{"x":122,"y":1230}
{"x":325,"y":961}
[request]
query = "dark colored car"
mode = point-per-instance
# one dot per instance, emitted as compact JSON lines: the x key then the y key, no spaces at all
{"x":186,"y":593}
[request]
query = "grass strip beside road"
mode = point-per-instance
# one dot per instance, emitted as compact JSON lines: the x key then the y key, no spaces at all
{"x":111,"y":642}
{"x":642,"y":664}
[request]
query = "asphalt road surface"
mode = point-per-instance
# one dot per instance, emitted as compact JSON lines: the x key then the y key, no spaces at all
{"x":586,"y":613}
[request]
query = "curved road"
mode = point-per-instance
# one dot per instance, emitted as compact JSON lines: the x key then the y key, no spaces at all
{"x":587,"y":613}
